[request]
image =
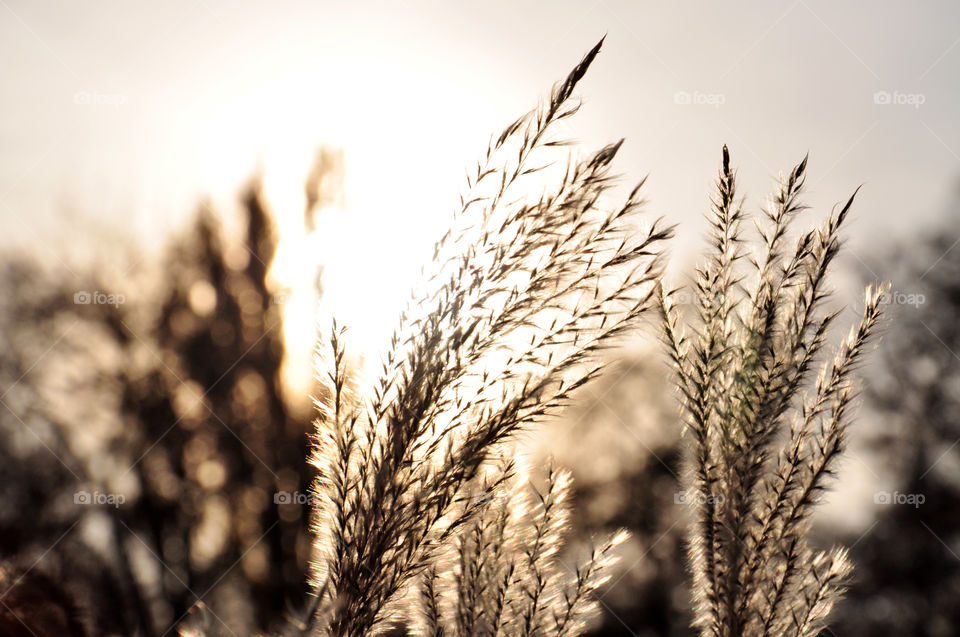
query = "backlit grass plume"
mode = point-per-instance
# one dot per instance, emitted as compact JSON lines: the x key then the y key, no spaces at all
{"x":505,"y":579}
{"x":523,"y":295}
{"x":764,"y":435}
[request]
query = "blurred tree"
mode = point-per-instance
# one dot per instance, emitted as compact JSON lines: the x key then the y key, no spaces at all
{"x":171,"y":403}
{"x":212,"y":439}
{"x":907,"y":567}
{"x":34,"y":606}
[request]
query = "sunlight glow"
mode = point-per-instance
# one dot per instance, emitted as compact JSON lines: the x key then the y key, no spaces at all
{"x":369,"y":249}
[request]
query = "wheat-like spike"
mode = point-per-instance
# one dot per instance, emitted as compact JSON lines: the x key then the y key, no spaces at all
{"x":523,"y":298}
{"x":757,"y":370}
{"x":524,"y":591}
{"x":825,"y":586}
{"x":511,"y":509}
{"x":480,"y":547}
{"x":470,"y":547}
{"x":710,"y":355}
{"x":803,"y":336}
{"x":810,"y":455}
{"x":703,"y":484}
{"x":739,"y":379}
{"x":334,"y":456}
{"x":536,"y":599}
{"x":579,"y":605}
{"x":429,"y":621}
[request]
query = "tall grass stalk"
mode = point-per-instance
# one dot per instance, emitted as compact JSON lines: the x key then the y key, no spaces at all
{"x":523,"y":297}
{"x":764,"y":439}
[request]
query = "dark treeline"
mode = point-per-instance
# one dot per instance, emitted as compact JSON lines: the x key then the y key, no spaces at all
{"x":145,"y":436}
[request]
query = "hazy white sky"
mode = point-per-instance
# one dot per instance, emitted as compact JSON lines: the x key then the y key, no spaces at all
{"x":127,"y":112}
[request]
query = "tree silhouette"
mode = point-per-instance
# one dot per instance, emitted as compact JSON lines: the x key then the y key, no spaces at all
{"x":172,"y":401}
{"x":907,"y":575}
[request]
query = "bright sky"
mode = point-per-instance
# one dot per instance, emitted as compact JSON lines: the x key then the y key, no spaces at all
{"x":125,"y":113}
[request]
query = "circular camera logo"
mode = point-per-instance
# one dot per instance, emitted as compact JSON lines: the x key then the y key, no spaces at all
{"x":85,"y":498}
{"x":296,"y":497}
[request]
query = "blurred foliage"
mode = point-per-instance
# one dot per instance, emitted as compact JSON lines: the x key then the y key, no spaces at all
{"x":171,"y":404}
{"x":907,"y":575}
